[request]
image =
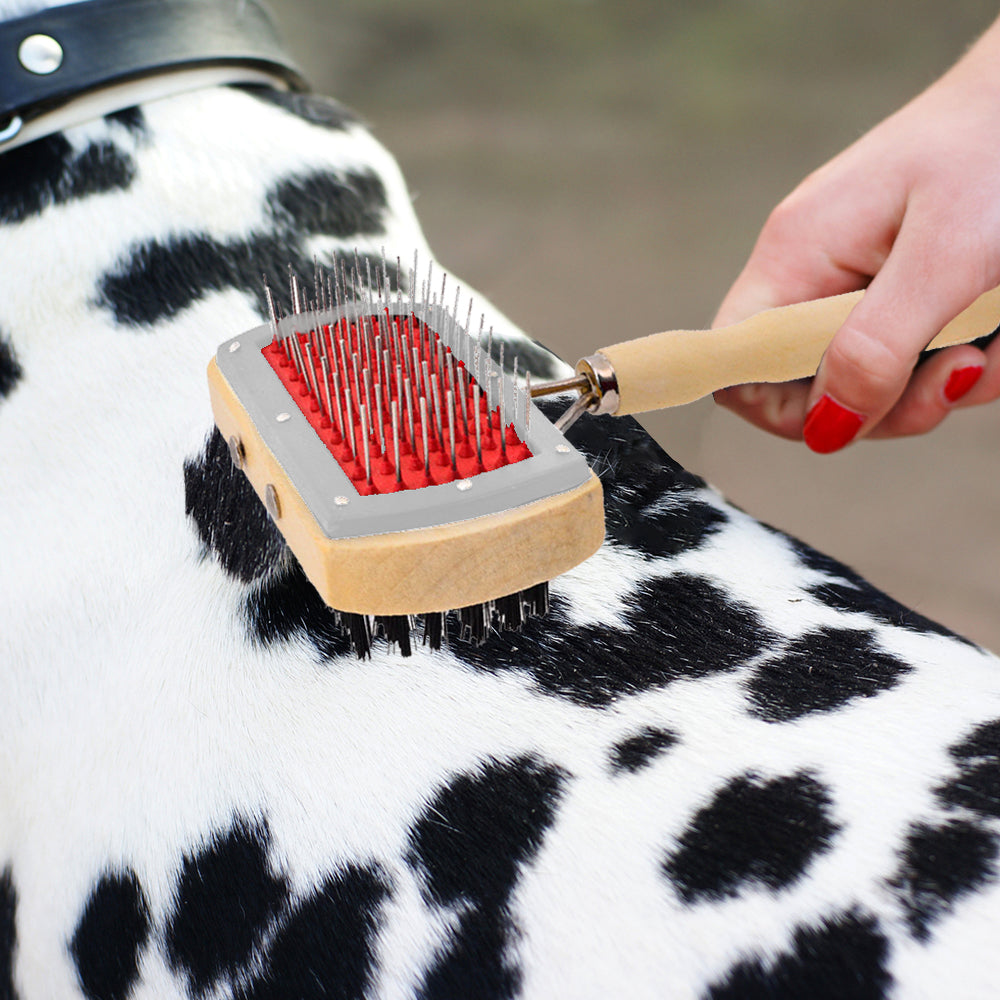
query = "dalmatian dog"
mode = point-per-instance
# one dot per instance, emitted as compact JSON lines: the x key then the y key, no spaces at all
{"x":722,"y":766}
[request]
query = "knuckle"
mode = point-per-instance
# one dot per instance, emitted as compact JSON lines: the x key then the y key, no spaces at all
{"x":784,"y":221}
{"x":909,"y":420}
{"x":868,"y":361}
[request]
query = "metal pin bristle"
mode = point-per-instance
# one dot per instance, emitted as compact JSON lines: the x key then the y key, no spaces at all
{"x":394,"y":383}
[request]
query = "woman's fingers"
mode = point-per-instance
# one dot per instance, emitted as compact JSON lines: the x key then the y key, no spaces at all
{"x":911,"y":212}
{"x":950,"y":379}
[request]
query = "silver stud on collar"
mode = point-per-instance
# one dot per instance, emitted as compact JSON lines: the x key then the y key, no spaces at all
{"x":11,"y":129}
{"x":40,"y":54}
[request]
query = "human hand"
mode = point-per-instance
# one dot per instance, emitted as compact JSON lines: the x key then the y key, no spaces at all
{"x":912,"y":213}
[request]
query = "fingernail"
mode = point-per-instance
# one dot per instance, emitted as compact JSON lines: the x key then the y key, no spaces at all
{"x":829,"y":426}
{"x":960,"y":381}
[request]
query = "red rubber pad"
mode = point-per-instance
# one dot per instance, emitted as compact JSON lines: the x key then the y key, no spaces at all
{"x":384,"y":385}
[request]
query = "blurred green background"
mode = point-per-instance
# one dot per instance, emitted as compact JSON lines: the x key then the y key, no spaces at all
{"x":600,"y":170}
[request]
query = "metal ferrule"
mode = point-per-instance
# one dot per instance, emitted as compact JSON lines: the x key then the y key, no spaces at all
{"x":600,"y":373}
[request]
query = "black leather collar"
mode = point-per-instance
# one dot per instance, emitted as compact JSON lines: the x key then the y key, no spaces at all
{"x":99,"y":56}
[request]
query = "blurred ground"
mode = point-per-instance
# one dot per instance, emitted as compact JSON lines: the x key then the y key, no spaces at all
{"x":600,"y":170}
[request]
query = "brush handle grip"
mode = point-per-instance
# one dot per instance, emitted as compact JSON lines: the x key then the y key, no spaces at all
{"x":776,"y":345}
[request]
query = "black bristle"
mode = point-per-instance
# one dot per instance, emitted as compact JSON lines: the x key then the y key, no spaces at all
{"x":434,"y":629}
{"x":476,"y":621}
{"x":360,"y":630}
{"x":396,"y":629}
{"x":536,"y":599}
{"x":508,"y":612}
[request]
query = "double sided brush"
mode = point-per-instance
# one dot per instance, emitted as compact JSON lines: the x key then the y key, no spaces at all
{"x":409,"y":474}
{"x":412,"y":476}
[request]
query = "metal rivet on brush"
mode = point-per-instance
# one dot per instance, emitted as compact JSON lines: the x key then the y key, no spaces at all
{"x":236,"y":451}
{"x":234,"y":346}
{"x":271,"y":501}
{"x":463,"y":485}
{"x":563,"y":449}
{"x":282,"y":417}
{"x":40,"y":54}
{"x":341,"y":501}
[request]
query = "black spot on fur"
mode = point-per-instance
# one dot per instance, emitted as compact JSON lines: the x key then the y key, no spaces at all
{"x":939,"y":864}
{"x":331,"y":204}
{"x":156,"y":280}
{"x":11,"y":371}
{"x":667,"y":527}
{"x":845,"y":957}
{"x":849,"y":592}
{"x":977,"y":786}
{"x":651,"y":504}
{"x":753,"y":831}
{"x":8,"y":934}
{"x":482,"y":827}
{"x":474,"y":965}
{"x":677,"y":627}
{"x":822,"y":671}
{"x":160,"y":279}
{"x":312,"y":108}
{"x":324,"y":950}
{"x":131,"y":119}
{"x":226,"y":897}
{"x":49,"y":172}
{"x":469,"y":846}
{"x":635,"y":752}
{"x":287,"y":606}
{"x":229,"y":517}
{"x":108,"y":941}
{"x":622,"y":441}
{"x":236,"y":529}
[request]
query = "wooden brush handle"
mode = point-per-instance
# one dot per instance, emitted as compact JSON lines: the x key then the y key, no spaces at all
{"x":777,"y":345}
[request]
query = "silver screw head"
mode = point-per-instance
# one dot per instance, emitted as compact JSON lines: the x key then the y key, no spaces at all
{"x":271,"y":501}
{"x":40,"y":54}
{"x":236,"y":452}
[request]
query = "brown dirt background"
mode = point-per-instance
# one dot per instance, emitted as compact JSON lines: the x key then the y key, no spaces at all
{"x":600,"y":170}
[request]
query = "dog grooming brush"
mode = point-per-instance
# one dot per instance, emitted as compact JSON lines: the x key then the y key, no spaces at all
{"x":406,"y":470}
{"x":776,"y":345}
{"x":412,"y":476}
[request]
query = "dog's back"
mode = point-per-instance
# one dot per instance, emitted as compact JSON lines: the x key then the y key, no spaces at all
{"x":722,"y":766}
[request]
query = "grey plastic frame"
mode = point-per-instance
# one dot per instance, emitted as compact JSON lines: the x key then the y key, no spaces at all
{"x":554,"y":466}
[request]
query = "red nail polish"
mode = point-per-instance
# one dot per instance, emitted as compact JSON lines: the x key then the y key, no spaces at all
{"x":829,"y":426}
{"x":960,"y":381}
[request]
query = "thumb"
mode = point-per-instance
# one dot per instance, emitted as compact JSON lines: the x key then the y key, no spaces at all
{"x":792,"y":262}
{"x":871,"y":358}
